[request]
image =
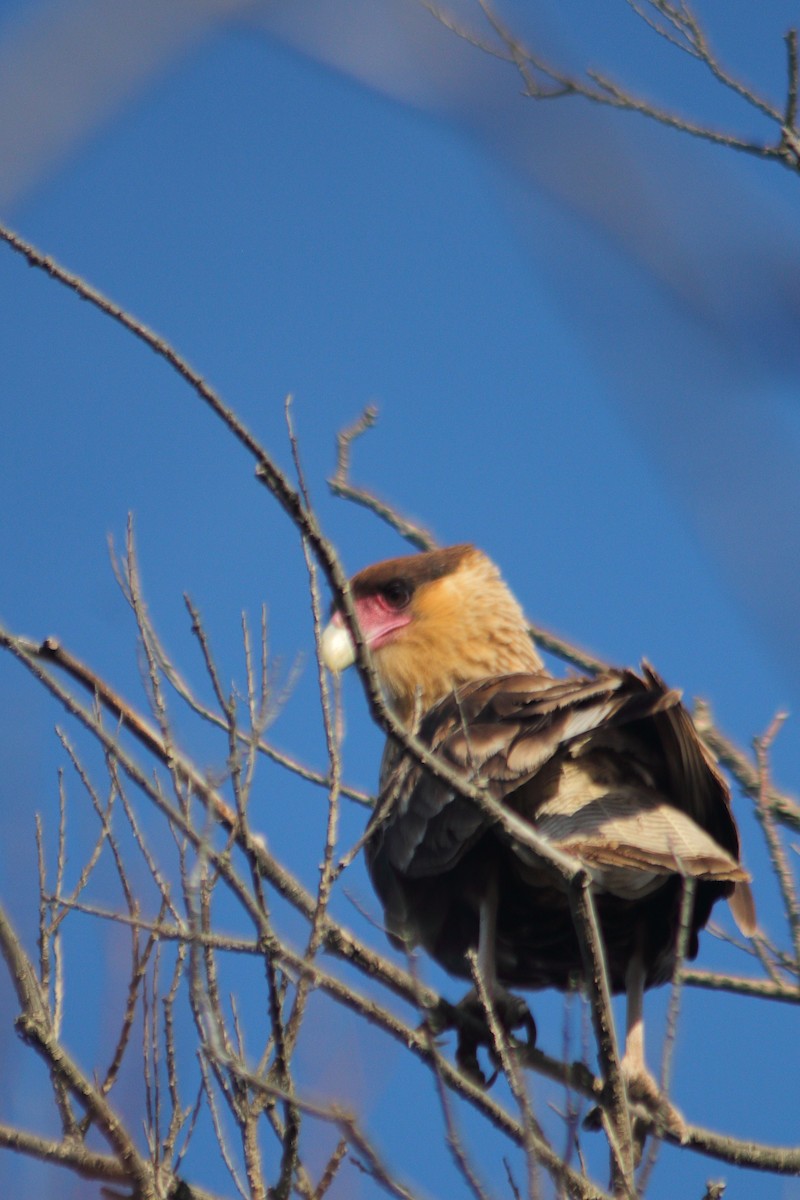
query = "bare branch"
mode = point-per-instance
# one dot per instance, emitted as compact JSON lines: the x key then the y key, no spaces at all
{"x":543,"y":80}
{"x":86,"y":1163}
{"x":340,"y":485}
{"x":616,"y":1114}
{"x":765,"y":814}
{"x":34,"y":1026}
{"x":764,"y":989}
{"x":784,"y":807}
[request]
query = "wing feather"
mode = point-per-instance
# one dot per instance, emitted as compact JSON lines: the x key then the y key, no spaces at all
{"x":503,"y":733}
{"x":631,"y":828}
{"x":608,"y":768}
{"x":499,"y":732}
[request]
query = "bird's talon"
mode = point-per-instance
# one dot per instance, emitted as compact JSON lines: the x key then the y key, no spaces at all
{"x":644,"y":1094}
{"x":469,"y":1021}
{"x":643,"y":1089}
{"x":467,"y":1062}
{"x":669,"y":1120}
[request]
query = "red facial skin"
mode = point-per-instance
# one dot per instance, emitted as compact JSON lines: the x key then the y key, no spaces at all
{"x":378,"y":619}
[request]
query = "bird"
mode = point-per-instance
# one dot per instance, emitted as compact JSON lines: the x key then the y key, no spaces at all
{"x":607,"y":768}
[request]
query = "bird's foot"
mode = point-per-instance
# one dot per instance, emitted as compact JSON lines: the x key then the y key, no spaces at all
{"x":469,"y":1019}
{"x":643,"y":1089}
{"x":644,"y":1093}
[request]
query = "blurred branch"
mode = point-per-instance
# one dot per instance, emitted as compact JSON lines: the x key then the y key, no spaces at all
{"x":86,"y":1163}
{"x":765,"y":989}
{"x":566,"y":651}
{"x":677,"y":24}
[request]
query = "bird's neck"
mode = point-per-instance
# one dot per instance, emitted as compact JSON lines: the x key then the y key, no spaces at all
{"x":475,"y":632}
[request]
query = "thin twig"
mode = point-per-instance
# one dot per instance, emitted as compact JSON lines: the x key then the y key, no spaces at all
{"x":615,"y":1111}
{"x":331,"y":1169}
{"x":763,"y":989}
{"x":340,"y":485}
{"x":532,"y":1130}
{"x":35,"y":1027}
{"x":673,"y":1012}
{"x":784,"y":807}
{"x":777,"y":853}
{"x":454,"y":1141}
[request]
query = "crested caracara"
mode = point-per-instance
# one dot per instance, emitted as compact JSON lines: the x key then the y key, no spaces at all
{"x":607,"y":768}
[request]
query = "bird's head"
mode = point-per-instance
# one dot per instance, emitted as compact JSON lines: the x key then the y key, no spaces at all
{"x":433,"y":621}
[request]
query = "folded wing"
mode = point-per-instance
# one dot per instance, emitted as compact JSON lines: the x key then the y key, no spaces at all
{"x":608,"y":769}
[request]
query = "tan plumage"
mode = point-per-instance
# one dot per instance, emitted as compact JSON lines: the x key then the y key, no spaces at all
{"x":609,"y":769}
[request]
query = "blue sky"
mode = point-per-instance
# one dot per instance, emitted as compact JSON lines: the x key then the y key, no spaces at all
{"x":580,"y":331}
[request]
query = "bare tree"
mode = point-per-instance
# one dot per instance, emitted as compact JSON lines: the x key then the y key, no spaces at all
{"x":234,"y":957}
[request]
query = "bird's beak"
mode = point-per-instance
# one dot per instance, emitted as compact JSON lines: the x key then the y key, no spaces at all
{"x":336,"y":646}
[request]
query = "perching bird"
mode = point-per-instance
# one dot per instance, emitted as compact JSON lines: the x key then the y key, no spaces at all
{"x":607,"y":768}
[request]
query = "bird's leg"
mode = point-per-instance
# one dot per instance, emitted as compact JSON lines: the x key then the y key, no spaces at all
{"x":469,"y":1016}
{"x":487,"y":936}
{"x":637,"y":1077}
{"x":511,"y":1011}
{"x":641,"y":1086}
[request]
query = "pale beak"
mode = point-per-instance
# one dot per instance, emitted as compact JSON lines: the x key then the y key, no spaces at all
{"x":336,"y":646}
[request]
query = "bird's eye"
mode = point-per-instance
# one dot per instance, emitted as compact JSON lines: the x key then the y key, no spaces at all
{"x":397,"y":593}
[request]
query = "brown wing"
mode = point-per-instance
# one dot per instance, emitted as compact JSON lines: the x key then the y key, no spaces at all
{"x":609,"y":768}
{"x":500,"y":733}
